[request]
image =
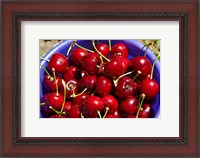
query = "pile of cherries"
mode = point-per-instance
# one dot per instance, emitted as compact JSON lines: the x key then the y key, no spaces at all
{"x":98,"y":83}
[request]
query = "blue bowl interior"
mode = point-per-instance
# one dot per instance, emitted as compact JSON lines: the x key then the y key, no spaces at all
{"x":134,"y":48}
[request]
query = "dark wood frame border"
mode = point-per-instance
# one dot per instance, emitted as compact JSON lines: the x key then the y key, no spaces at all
{"x":15,"y":12}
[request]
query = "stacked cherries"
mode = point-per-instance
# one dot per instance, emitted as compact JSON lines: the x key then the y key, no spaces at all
{"x":101,"y":82}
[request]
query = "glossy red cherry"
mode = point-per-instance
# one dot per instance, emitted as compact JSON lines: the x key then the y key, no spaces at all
{"x":59,"y":62}
{"x":88,"y":82}
{"x":89,"y":63}
{"x":79,"y":99}
{"x":55,"y":100}
{"x":103,"y":86}
{"x":67,"y":106}
{"x":50,"y":83}
{"x":71,"y":87}
{"x":110,"y":103}
{"x":77,"y":55}
{"x":142,"y":64}
{"x":125,"y":87}
{"x":129,"y":105}
{"x":74,"y":112}
{"x":116,"y":114}
{"x":149,"y":87}
{"x":114,"y":68}
{"x":92,"y":106}
{"x":146,"y":111}
{"x":119,"y":49}
{"x":103,"y":48}
{"x":71,"y":72}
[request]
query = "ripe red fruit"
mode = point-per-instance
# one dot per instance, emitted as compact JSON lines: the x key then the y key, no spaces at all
{"x":50,"y":83}
{"x":59,"y":62}
{"x":55,"y":100}
{"x":142,"y":64}
{"x":103,"y":48}
{"x":119,"y":49}
{"x":110,"y":102}
{"x":149,"y":87}
{"x":89,"y":63}
{"x":146,"y":111}
{"x":74,"y":112}
{"x":77,"y":55}
{"x":88,"y":82}
{"x":91,"y":106}
{"x":104,"y":86}
{"x":129,"y":105}
{"x":71,"y":72}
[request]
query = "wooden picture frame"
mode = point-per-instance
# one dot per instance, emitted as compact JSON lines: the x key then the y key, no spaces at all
{"x":187,"y":144}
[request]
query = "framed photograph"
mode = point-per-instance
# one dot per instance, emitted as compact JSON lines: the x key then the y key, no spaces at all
{"x":121,"y":81}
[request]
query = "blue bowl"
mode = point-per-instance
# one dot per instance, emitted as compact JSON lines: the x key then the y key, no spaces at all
{"x":134,"y":48}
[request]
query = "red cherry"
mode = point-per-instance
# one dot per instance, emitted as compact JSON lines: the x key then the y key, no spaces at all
{"x":142,"y":64}
{"x":104,"y":86}
{"x":88,"y":82}
{"x":146,"y":111}
{"x":79,"y":99}
{"x":74,"y":112}
{"x":71,"y":72}
{"x":116,"y":114}
{"x":130,"y":105}
{"x":103,"y":48}
{"x":125,"y":87}
{"x":77,"y":55}
{"x":44,"y":98}
{"x":71,"y":87}
{"x":59,"y":62}
{"x":92,"y":106}
{"x":50,"y":83}
{"x":55,"y":100}
{"x":89,"y":63}
{"x":114,"y":68}
{"x":110,"y":103}
{"x":119,"y":49}
{"x":149,"y":87}
{"x":67,"y":106}
{"x":131,"y":116}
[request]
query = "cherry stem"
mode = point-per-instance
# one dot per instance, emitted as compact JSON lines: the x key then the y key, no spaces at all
{"x":146,"y":50}
{"x":140,"y":104}
{"x":107,"y":109}
{"x":57,"y":112}
{"x":109,"y":42}
{"x":83,"y":48}
{"x":116,"y":81}
{"x":63,"y":83}
{"x":46,"y":71}
{"x":54,"y":75}
{"x":76,"y":95}
{"x":101,"y":55}
{"x":70,"y":48}
{"x":82,"y":115}
{"x":45,"y":59}
{"x":138,"y":73}
{"x":98,"y":112}
{"x":154,"y":66}
{"x":42,"y":104}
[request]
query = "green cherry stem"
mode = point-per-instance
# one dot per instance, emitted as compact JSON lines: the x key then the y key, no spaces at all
{"x":107,"y":109}
{"x":142,"y":96}
{"x":82,"y":115}
{"x":63,"y":83}
{"x":116,"y":81}
{"x":83,"y":48}
{"x":138,"y":73}
{"x":76,"y":95}
{"x":70,"y":48}
{"x":47,"y":72}
{"x":101,"y":55}
{"x":54,"y":75}
{"x":110,"y":46}
{"x":98,"y":112}
{"x":154,"y":66}
{"x":57,"y":112}
{"x":42,"y":104}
